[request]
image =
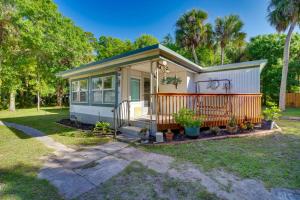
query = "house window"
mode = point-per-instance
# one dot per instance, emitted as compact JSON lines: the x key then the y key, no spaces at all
{"x":80,"y":91}
{"x":135,"y":89}
{"x":103,"y":90}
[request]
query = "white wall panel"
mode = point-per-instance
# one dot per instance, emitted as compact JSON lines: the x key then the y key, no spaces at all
{"x":242,"y":81}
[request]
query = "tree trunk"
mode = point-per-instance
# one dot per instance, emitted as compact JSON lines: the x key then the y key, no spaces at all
{"x":12,"y":102}
{"x":38,"y":100}
{"x":59,"y":94}
{"x":222,"y":55}
{"x":195,"y":55}
{"x":286,"y":54}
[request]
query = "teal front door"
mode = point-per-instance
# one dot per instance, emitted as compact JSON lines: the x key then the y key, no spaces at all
{"x":135,"y":92}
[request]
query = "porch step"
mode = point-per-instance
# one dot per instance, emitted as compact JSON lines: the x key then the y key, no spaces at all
{"x":130,"y":131}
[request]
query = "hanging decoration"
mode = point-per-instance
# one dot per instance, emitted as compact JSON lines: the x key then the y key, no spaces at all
{"x":213,"y":84}
{"x":171,"y":80}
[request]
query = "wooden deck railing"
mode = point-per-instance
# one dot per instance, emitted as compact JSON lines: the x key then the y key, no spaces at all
{"x":215,"y":108}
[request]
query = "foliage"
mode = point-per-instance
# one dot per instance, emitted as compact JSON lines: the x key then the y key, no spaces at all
{"x":272,"y":112}
{"x":144,"y":41}
{"x":270,"y":47}
{"x":187,"y":118}
{"x":246,"y":125}
{"x":104,"y":127}
{"x":284,"y":15}
{"x":215,"y":130}
{"x":232,"y":122}
{"x":228,"y":30}
{"x":191,"y":31}
{"x":108,"y":46}
{"x":42,"y":42}
{"x":171,"y":80}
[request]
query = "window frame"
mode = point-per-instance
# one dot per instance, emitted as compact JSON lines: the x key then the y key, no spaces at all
{"x":102,"y":90}
{"x":78,"y":91}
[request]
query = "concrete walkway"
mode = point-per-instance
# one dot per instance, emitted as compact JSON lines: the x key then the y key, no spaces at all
{"x":77,"y":172}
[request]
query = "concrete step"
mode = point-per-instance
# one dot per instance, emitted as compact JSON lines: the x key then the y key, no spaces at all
{"x":131,"y":131}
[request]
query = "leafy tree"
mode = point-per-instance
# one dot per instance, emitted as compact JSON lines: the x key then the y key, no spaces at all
{"x":191,"y":31}
{"x":108,"y":46}
{"x":228,"y":30}
{"x":283,"y":15}
{"x":144,"y":40}
{"x":9,"y":51}
{"x":270,"y":47}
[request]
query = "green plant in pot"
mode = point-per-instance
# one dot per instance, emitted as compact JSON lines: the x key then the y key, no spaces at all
{"x":191,"y":123}
{"x":232,"y":125}
{"x":271,"y":113}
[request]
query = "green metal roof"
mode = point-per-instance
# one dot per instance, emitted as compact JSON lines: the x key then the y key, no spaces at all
{"x":163,"y":52}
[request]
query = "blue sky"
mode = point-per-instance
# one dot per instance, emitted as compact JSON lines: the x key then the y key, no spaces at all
{"x":127,"y":19}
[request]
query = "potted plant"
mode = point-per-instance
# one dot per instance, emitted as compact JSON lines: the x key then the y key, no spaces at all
{"x":271,"y":113}
{"x":169,"y":135}
{"x":190,"y":122}
{"x":144,"y":135}
{"x":243,"y":127}
{"x":232,"y":125}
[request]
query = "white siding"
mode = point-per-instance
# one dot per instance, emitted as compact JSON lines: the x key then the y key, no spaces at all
{"x":92,"y":110}
{"x":242,"y":80}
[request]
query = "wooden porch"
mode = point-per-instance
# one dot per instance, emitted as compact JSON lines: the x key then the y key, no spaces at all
{"x":215,"y":108}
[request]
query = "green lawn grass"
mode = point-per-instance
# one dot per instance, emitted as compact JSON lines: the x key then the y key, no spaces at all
{"x":291,"y":112}
{"x":45,"y":120}
{"x":274,"y":159}
{"x":19,"y":164}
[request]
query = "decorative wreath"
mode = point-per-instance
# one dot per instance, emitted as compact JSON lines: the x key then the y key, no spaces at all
{"x":213,"y":84}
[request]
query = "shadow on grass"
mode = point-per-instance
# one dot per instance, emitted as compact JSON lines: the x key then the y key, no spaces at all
{"x":20,"y":182}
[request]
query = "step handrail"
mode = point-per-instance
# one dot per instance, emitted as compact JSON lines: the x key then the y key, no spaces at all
{"x":121,"y":114}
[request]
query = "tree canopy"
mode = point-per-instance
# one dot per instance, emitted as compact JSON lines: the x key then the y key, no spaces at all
{"x":37,"y":41}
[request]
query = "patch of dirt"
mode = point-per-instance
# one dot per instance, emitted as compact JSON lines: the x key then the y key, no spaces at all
{"x":138,"y":182}
{"x":74,"y":124}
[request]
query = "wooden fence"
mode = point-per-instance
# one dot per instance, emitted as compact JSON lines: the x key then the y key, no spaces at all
{"x":215,"y":108}
{"x":293,"y":100}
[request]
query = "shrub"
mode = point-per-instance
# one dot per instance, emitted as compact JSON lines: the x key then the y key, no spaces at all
{"x":187,"y":118}
{"x":232,"y":122}
{"x":104,"y":127}
{"x":272,"y":112}
{"x":215,"y":130}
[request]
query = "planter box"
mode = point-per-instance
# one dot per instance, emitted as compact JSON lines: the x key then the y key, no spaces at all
{"x":268,"y":125}
{"x":192,"y":132}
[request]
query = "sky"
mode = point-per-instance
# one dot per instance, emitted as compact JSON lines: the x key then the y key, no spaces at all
{"x":128,"y":19}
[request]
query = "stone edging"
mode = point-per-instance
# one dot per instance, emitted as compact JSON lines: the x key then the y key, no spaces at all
{"x":290,"y":118}
{"x":258,"y":133}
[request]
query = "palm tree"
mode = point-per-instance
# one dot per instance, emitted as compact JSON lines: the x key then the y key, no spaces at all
{"x":284,"y":14}
{"x":191,"y":30}
{"x":227,"y":30}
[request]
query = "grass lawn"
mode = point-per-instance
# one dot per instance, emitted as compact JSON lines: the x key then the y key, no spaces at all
{"x":137,"y":182}
{"x":19,"y":166}
{"x":292,"y":112}
{"x":274,"y":159}
{"x":45,"y":120}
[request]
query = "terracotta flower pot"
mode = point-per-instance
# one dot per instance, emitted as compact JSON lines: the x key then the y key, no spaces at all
{"x":169,"y":136}
{"x":232,"y":129}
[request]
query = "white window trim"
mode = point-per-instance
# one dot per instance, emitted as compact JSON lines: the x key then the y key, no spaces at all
{"x":103,"y":89}
{"x":79,"y":90}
